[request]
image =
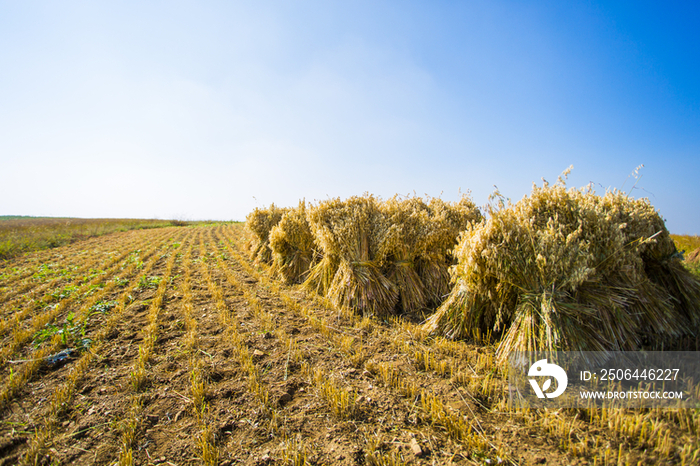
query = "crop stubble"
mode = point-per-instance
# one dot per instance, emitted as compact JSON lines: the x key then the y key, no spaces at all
{"x":244,"y":370}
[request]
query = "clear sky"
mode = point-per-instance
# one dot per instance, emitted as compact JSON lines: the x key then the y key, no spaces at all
{"x":205,"y":110}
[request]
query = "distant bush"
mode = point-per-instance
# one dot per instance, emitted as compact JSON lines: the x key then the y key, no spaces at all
{"x":180,"y":223}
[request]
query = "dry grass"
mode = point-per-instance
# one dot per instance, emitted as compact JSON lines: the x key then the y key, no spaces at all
{"x":569,"y":270}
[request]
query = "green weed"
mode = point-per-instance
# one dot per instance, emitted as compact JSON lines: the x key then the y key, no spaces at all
{"x":148,"y":282}
{"x":64,"y":292}
{"x":121,"y":282}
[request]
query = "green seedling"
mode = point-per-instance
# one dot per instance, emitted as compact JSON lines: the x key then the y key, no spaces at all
{"x":43,"y":272}
{"x":91,"y":289}
{"x":148,"y":282}
{"x":102,"y":307}
{"x":92,"y":274}
{"x":121,"y":282}
{"x":72,"y":333}
{"x":44,"y":334}
{"x":64,"y":292}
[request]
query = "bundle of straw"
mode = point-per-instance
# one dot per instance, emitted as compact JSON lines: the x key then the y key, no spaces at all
{"x":258,"y":225}
{"x":364,"y":254}
{"x":350,"y":234}
{"x":293,"y":246}
{"x":403,"y":245}
{"x":569,"y":270}
{"x":447,"y":221}
{"x":416,"y":250}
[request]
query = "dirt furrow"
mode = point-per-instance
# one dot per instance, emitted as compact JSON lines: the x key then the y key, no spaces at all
{"x":26,"y":305}
{"x":78,"y":304}
{"x":330,"y":373}
{"x":33,"y":285}
{"x":67,"y":403}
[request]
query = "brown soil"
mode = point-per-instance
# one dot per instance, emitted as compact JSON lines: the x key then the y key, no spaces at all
{"x":386,"y":426}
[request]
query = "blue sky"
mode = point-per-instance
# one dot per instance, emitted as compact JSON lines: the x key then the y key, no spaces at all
{"x":205,"y":110}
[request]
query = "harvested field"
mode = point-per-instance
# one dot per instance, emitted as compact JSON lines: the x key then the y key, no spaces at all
{"x":169,"y":346}
{"x":25,"y":234}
